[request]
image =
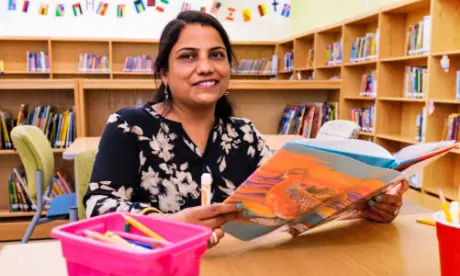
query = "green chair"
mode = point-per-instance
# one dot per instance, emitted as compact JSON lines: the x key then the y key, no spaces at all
{"x":84,"y":162}
{"x":37,"y":157}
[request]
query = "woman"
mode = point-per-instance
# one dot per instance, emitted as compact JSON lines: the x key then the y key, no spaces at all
{"x":154,"y":156}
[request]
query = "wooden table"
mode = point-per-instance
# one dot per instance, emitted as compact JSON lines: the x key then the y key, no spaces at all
{"x":355,"y":247}
{"x":85,"y":143}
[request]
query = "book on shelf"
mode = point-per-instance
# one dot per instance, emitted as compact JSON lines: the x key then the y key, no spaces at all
{"x":365,"y":48}
{"x":364,"y":117}
{"x":310,"y":58}
{"x":306,"y":120}
{"x":37,"y":62}
{"x":308,"y":183}
{"x":368,"y":86}
{"x":416,"y":81}
{"x":58,"y":126}
{"x":421,"y":125}
{"x":6,"y":125}
{"x":289,"y":61}
{"x":334,"y":53}
{"x":418,"y":37}
{"x":457,"y":88}
{"x":255,"y":66}
{"x":451,"y":130}
{"x":91,"y":63}
{"x":143,"y":63}
{"x":19,"y":196}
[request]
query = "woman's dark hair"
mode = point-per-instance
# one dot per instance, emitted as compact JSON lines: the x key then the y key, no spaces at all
{"x":168,"y":39}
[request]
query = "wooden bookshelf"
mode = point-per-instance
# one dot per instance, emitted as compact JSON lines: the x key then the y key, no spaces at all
{"x":35,"y":92}
{"x":262,"y":96}
{"x":258,"y":100}
{"x":397,"y":107}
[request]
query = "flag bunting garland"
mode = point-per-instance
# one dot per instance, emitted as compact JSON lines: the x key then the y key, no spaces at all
{"x":229,"y":13}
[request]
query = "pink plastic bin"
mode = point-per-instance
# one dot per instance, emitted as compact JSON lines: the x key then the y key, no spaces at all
{"x":86,"y":257}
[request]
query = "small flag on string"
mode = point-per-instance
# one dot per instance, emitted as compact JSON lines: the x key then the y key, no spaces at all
{"x":230,"y":14}
{"x":275,"y":5}
{"x":139,"y":5}
{"x":215,"y":7}
{"x":25,"y":6}
{"x":59,"y":10}
{"x":246,"y":15}
{"x":76,"y":8}
{"x":161,"y":8}
{"x":43,"y":9}
{"x":286,"y":10}
{"x":90,"y":5}
{"x":11,"y":5}
{"x":102,"y":9}
{"x":262,"y":9}
{"x":121,"y":10}
{"x":186,"y":6}
{"x":150,"y":3}
{"x":203,"y":9}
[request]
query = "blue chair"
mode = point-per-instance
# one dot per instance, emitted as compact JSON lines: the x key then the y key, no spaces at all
{"x":37,"y":157}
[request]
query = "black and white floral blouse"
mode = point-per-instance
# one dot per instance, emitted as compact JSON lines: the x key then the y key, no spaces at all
{"x":147,"y":160}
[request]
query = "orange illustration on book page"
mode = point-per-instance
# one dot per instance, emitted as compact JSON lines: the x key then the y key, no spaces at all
{"x":291,"y":186}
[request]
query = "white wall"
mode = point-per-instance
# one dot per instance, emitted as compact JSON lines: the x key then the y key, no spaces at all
{"x":147,"y":25}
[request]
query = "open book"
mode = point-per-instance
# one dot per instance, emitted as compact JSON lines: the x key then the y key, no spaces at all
{"x":309,"y":182}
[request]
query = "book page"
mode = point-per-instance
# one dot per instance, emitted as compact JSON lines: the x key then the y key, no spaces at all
{"x":415,"y":151}
{"x":298,"y":181}
{"x":361,"y":150}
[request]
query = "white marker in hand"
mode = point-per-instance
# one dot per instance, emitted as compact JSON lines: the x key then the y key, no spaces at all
{"x":206,"y":182}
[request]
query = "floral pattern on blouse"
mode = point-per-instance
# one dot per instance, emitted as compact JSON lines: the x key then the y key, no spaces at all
{"x":145,"y":160}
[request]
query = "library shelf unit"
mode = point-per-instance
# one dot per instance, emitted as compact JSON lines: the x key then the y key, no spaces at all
{"x":261,"y":101}
{"x":399,"y":78}
{"x":62,"y":95}
{"x":365,"y":63}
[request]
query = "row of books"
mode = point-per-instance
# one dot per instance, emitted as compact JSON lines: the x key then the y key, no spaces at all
{"x":306,"y":120}
{"x":89,"y":62}
{"x":256,"y":66}
{"x":364,"y":117}
{"x":451,"y":129}
{"x":58,"y":126}
{"x":37,"y":62}
{"x":143,"y":63}
{"x":368,"y":86}
{"x":416,"y":81}
{"x":334,"y":53}
{"x":365,"y":48}
{"x":19,"y":197}
{"x":421,"y":125}
{"x":418,"y":37}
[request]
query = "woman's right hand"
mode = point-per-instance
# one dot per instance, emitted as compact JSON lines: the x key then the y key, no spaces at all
{"x":212,"y":216}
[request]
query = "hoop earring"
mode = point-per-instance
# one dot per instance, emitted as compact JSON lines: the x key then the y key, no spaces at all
{"x":226,"y":93}
{"x":166,"y":93}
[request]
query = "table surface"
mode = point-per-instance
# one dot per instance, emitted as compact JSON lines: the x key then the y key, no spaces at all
{"x":353,"y":247}
{"x":85,"y":143}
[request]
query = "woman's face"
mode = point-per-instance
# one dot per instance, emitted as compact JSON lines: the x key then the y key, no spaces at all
{"x":199,"y":71}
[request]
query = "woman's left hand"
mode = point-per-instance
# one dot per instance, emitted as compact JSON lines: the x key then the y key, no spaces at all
{"x":385,"y":206}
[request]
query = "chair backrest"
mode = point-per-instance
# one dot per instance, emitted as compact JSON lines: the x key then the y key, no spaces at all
{"x":84,"y":162}
{"x":36,"y":153}
{"x":338,"y":130}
